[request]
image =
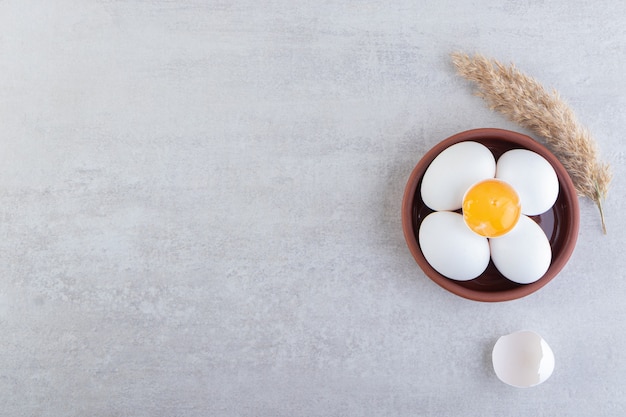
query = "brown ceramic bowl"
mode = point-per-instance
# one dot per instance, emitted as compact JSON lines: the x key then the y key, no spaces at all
{"x":559,"y":223}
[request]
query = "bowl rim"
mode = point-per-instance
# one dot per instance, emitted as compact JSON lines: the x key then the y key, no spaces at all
{"x":569,"y":193}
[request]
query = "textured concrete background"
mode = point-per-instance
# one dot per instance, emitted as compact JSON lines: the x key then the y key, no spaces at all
{"x":200,"y":209}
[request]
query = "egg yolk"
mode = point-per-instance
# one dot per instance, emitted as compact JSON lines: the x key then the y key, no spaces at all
{"x":491,"y":208}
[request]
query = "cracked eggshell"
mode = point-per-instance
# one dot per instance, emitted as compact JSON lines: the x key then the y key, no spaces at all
{"x":522,"y":359}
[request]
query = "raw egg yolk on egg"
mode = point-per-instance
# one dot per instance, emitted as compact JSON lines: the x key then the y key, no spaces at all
{"x":491,"y":208}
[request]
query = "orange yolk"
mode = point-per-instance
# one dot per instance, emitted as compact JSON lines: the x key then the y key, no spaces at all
{"x":491,"y":208}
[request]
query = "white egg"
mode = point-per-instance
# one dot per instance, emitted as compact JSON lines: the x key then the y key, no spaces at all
{"x":451,"y":248}
{"x":522,"y":359}
{"x":533,"y":178}
{"x":453,"y":171}
{"x":523,"y":255}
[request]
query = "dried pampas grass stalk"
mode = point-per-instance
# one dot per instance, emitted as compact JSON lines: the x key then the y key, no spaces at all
{"x":524,"y":101}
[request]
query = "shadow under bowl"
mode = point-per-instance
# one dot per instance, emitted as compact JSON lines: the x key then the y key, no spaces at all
{"x":560,"y":223}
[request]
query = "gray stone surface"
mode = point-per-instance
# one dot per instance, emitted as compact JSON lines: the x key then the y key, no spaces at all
{"x":199,"y":205}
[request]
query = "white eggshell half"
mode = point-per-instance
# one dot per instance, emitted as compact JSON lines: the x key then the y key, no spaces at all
{"x":522,"y":359}
{"x":533,"y":178}
{"x":451,"y":248}
{"x":523,"y":255}
{"x":453,"y":171}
